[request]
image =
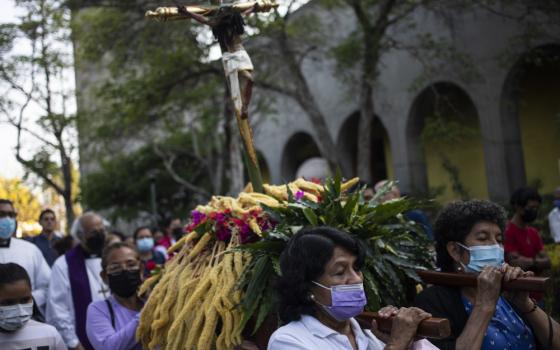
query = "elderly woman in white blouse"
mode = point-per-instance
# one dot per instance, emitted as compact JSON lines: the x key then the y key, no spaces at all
{"x":321,"y":291}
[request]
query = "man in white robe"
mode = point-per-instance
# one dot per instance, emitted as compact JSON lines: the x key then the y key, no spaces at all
{"x":74,"y":285}
{"x":23,"y":253}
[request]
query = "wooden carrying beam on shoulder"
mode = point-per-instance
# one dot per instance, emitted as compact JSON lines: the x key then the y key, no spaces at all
{"x":435,"y":328}
{"x":528,"y":284}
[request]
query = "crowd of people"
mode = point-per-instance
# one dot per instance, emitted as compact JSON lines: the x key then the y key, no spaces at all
{"x":80,"y":291}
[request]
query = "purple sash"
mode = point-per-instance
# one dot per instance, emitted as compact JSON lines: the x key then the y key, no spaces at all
{"x":81,"y":291}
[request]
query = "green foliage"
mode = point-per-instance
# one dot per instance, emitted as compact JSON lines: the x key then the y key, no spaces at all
{"x":446,"y":131}
{"x":393,"y":251}
{"x":122,"y":182}
{"x":157,"y":73}
{"x":453,"y":172}
{"x":35,"y":66}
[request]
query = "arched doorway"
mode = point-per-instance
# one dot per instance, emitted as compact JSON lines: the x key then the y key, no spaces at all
{"x":381,"y":158}
{"x":445,"y":143}
{"x":531,"y":117}
{"x":299,"y":148}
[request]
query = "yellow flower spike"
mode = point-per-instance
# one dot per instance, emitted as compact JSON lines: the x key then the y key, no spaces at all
{"x":349,"y":184}
{"x":309,"y":186}
{"x":255,"y":227}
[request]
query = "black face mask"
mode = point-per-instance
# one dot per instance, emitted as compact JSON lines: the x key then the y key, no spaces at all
{"x":529,"y":215}
{"x":95,"y":241}
{"x":125,"y":283}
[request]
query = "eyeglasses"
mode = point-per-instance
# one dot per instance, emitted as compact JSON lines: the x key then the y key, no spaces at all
{"x":11,"y":214}
{"x":115,"y":269}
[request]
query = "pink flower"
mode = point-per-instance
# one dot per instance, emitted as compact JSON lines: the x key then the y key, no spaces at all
{"x":299,"y":195}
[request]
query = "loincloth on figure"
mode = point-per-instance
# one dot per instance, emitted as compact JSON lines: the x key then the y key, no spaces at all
{"x":233,"y":63}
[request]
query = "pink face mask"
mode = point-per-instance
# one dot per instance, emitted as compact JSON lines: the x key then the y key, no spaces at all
{"x":347,"y":300}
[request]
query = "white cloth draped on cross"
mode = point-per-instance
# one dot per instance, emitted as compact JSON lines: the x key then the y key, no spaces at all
{"x":234,"y":62}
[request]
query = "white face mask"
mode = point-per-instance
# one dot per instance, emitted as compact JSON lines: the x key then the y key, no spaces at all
{"x":13,"y":317}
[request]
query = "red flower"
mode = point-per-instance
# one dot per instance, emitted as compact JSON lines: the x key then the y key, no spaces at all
{"x":238,"y":222}
{"x":316,"y":180}
{"x":150,"y":265}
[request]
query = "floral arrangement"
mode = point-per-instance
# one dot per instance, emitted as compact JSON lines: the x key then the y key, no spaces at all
{"x":219,"y":285}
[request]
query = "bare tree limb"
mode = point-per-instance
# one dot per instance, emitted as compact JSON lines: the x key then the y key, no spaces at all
{"x":168,"y":164}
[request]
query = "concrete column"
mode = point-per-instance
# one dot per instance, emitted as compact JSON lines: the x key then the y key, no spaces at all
{"x":406,"y":149}
{"x":503,"y":154}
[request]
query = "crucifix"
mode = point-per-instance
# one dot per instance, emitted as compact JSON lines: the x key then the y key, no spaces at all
{"x":227,"y":24}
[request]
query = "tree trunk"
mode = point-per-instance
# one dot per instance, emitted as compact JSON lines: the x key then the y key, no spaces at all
{"x":367,"y":107}
{"x":363,"y":158}
{"x":307,"y":102}
{"x":69,"y":208}
{"x":67,"y":176}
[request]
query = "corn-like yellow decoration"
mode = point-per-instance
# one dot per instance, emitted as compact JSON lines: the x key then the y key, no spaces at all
{"x":196,"y":292}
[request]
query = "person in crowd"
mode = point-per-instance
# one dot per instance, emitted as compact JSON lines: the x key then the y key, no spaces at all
{"x":129,"y":240}
{"x":111,"y":323}
{"x":416,"y":215}
{"x":144,"y":242}
{"x":76,"y":281}
{"x":171,"y":226}
{"x":554,"y":217}
{"x":469,"y":240}
{"x":178,"y":231}
{"x":159,"y":242}
{"x":63,"y":245}
{"x":48,"y":238}
{"x":23,"y":253}
{"x":522,"y":243}
{"x":18,"y":329}
{"x":114,"y":236}
{"x":321,"y":291}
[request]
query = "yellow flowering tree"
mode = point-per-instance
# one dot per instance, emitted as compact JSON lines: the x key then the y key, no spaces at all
{"x":25,"y":202}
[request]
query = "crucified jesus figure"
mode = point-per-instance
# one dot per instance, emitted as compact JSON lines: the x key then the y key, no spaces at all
{"x":228,"y":26}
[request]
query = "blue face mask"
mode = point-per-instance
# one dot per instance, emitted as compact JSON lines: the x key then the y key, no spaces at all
{"x":482,"y":256}
{"x":7,"y":227}
{"x":145,"y":244}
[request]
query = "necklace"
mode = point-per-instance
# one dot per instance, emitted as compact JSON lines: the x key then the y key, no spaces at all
{"x":103,"y":290}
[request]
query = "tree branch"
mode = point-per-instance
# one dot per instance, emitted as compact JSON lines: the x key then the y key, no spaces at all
{"x":275,"y":88}
{"x":41,"y":174}
{"x":168,"y":164}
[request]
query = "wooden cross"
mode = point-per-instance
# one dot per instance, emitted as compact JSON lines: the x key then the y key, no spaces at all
{"x":227,"y":25}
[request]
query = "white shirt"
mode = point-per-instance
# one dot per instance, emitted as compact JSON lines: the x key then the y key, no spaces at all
{"x":60,"y":307}
{"x":554,"y":223}
{"x":28,"y":256}
{"x":309,"y":333}
{"x":33,"y":336}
